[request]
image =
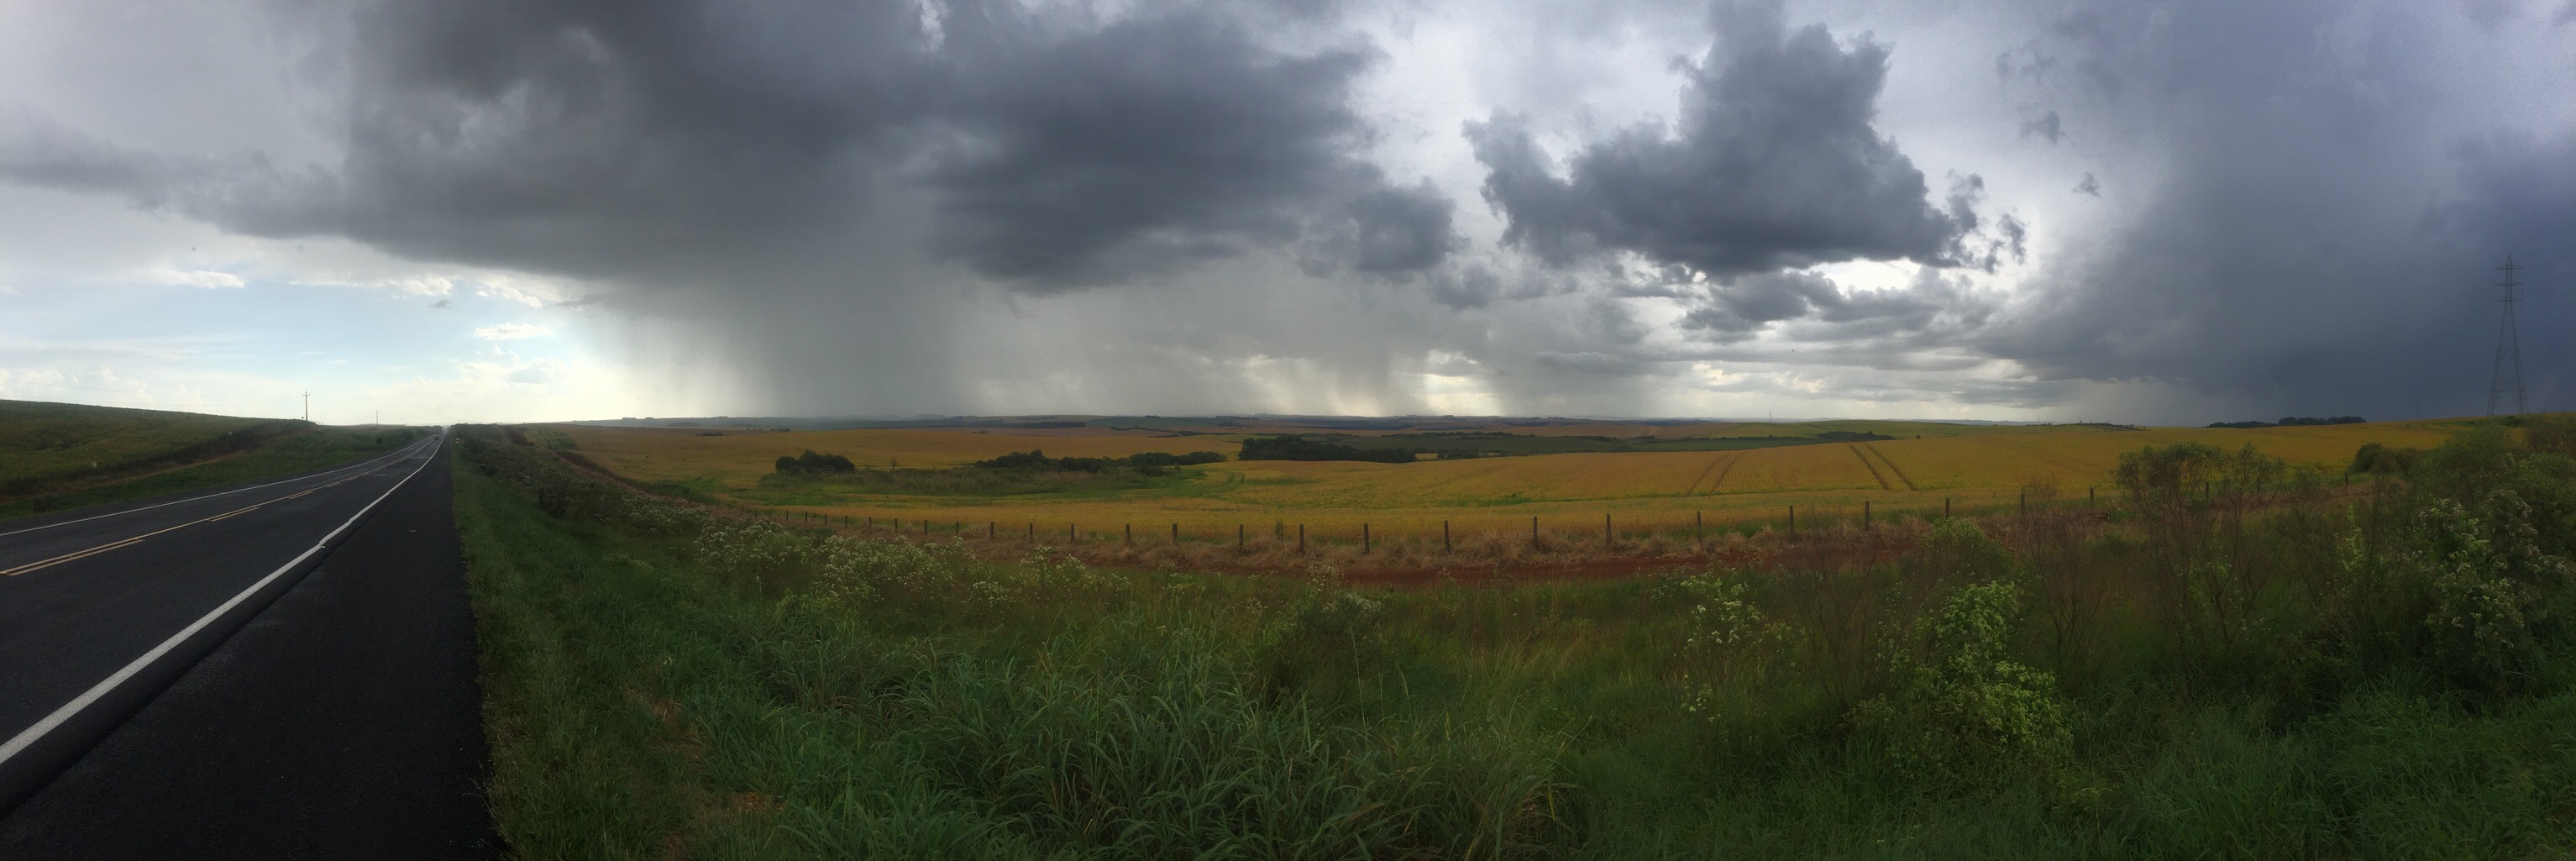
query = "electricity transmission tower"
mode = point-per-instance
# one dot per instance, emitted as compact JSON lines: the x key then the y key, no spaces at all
{"x":2506,"y":386}
{"x":308,"y":396}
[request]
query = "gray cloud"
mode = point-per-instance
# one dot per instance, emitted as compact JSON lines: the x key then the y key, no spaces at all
{"x":2322,"y":223}
{"x":683,"y":136}
{"x":2046,"y":127}
{"x":1152,"y":142}
{"x":990,"y":205}
{"x":1776,"y":164}
{"x":1932,"y":314}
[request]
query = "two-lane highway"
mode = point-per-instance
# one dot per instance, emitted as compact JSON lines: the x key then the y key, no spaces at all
{"x":107,"y":614}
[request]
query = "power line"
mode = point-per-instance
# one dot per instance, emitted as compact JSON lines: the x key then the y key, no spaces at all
{"x":2507,"y":380}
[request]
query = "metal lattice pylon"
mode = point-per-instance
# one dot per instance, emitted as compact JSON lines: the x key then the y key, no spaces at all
{"x":2506,"y":386}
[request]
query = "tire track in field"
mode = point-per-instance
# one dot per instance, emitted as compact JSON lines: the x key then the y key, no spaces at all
{"x":1714,"y":464}
{"x":1873,"y":468}
{"x":1892,"y":467}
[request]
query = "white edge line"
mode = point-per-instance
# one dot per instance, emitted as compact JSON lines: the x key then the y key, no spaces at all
{"x":395,"y":453}
{"x":37,"y":732}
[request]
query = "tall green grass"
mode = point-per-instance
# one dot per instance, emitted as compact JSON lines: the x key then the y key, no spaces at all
{"x":2267,"y":681}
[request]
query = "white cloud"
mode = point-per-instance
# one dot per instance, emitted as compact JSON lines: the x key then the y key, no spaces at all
{"x":511,"y":331}
{"x":431,"y":285}
{"x":207,"y":278}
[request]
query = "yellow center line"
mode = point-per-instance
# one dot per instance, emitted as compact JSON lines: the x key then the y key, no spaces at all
{"x":22,"y":569}
{"x":129,"y":542}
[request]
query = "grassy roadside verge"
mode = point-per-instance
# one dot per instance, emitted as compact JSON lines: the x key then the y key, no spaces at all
{"x":664,"y":684}
{"x":311,"y":449}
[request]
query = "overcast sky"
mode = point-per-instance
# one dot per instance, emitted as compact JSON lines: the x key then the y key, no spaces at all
{"x":2168,"y":211}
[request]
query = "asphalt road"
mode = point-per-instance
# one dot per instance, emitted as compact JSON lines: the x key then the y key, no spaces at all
{"x":279,"y":670}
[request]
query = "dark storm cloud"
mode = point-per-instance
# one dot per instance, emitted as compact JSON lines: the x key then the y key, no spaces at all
{"x":1478,"y":284}
{"x":587,"y":139}
{"x":2322,"y":224}
{"x":1150,"y":143}
{"x":1391,"y":231}
{"x":1932,"y":311}
{"x":672,"y":139}
{"x":1776,"y":163}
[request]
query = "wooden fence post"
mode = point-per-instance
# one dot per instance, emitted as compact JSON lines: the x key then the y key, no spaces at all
{"x":1131,"y":533}
{"x":1301,"y":538}
{"x":1864,"y":515}
{"x":1699,"y":528}
{"x":1793,"y":521}
{"x":1176,"y":535}
{"x":1533,"y":530}
{"x":1444,"y":536}
{"x":1607,"y":538}
{"x":1238,"y":537}
{"x":1364,"y":539}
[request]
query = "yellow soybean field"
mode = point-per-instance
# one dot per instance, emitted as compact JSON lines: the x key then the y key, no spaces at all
{"x":1926,"y":467}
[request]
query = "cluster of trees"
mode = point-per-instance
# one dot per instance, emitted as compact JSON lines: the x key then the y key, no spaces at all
{"x":1147,"y":463}
{"x":2294,"y":421}
{"x":1301,"y":448}
{"x":2377,"y":459}
{"x":811,"y":464}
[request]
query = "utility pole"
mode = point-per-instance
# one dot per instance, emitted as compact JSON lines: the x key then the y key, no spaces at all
{"x":2506,"y":384}
{"x":308,"y":404}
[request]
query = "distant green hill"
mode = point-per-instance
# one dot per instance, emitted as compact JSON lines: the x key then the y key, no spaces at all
{"x":46,"y":446}
{"x":58,"y":456}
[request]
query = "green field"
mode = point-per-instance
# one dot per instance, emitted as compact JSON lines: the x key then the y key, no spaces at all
{"x":46,"y":446}
{"x":2247,"y":669}
{"x":46,"y":452}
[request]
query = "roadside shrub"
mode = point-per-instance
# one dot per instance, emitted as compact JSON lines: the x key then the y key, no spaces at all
{"x":1329,"y":634}
{"x":2495,"y":596}
{"x":756,"y":554}
{"x":1051,"y":569}
{"x":1966,"y":712}
{"x":2378,"y":459}
{"x":1955,"y":550}
{"x":1731,"y":650}
{"x":1178,"y":760}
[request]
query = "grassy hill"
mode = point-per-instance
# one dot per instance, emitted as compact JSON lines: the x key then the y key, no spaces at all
{"x":47,"y":446}
{"x":60,"y":456}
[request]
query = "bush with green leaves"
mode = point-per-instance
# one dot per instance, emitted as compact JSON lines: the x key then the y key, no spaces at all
{"x":1966,"y":711}
{"x":2495,"y":597}
{"x":1955,"y":550}
{"x":1328,"y":633}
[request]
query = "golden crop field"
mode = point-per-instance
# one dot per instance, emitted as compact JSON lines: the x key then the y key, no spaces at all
{"x":1969,"y":466}
{"x":738,"y":458}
